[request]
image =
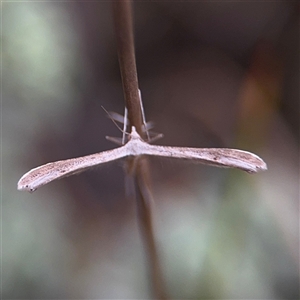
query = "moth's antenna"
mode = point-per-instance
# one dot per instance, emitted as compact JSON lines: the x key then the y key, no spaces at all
{"x":143,"y":115}
{"x":124,"y":125}
{"x":122,"y":130}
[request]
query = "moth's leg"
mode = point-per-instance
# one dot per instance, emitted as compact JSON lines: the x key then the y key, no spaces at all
{"x":115,"y":117}
{"x":115,"y":140}
{"x":155,"y":136}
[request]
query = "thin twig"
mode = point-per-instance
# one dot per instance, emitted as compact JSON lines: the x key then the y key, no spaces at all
{"x":144,"y":199}
{"x":126,"y":54}
{"x":138,"y":168}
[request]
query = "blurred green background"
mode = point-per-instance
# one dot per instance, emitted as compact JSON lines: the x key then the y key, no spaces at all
{"x":212,"y":74}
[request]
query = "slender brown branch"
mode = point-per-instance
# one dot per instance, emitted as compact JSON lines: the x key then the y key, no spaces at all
{"x":144,"y":200}
{"x":137,"y":167}
{"x":125,"y":44}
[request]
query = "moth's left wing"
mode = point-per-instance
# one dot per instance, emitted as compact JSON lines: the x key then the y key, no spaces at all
{"x":56,"y":170}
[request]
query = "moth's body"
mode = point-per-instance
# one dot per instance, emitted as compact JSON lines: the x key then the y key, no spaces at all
{"x":136,"y":146}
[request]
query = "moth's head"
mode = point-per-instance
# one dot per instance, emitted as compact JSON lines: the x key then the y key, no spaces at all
{"x":150,"y":136}
{"x":134,"y":134}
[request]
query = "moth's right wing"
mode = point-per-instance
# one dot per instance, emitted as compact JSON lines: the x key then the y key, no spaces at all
{"x":219,"y":157}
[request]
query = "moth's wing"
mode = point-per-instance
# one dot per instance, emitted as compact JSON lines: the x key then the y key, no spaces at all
{"x":220,"y":157}
{"x":56,"y":170}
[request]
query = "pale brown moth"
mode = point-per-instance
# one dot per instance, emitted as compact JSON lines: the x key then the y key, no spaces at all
{"x":136,"y":146}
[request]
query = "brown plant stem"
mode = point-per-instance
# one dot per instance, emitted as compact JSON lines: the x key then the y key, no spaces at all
{"x":137,"y":167}
{"x":126,"y":54}
{"x":144,"y":200}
